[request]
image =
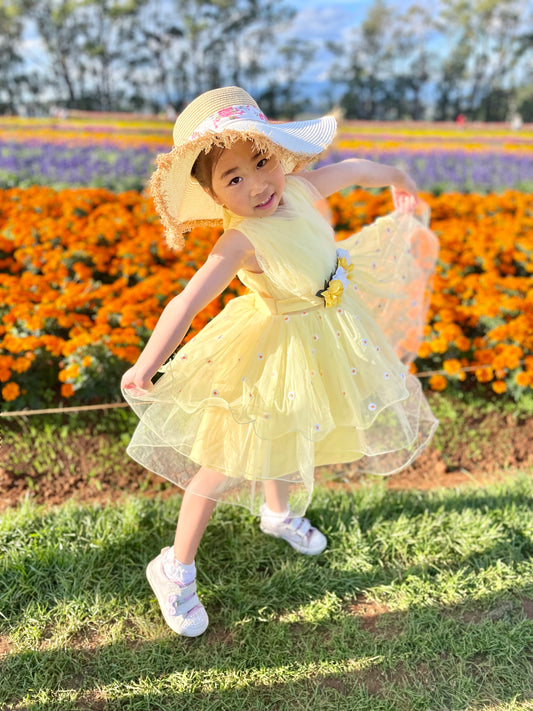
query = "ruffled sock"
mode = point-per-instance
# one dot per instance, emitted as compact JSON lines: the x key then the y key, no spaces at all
{"x":274,"y":517}
{"x":176,"y":571}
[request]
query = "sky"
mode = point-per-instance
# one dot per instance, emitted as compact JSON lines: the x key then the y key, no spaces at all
{"x":319,"y":21}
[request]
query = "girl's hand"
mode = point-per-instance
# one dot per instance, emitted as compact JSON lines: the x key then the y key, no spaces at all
{"x":404,"y":194}
{"x":136,"y":383}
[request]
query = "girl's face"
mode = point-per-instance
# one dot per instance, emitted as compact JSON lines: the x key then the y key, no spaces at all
{"x":247,"y":182}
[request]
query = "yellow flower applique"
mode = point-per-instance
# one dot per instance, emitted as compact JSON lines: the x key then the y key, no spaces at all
{"x":334,"y":287}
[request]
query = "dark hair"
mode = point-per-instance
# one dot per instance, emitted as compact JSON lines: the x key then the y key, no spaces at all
{"x":204,"y":166}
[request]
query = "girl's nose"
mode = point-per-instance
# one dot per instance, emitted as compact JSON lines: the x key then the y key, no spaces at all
{"x":258,"y":185}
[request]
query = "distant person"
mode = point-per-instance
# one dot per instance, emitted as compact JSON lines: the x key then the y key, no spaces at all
{"x":460,"y":120}
{"x":170,"y":113}
{"x":301,"y":372}
{"x":516,"y":122}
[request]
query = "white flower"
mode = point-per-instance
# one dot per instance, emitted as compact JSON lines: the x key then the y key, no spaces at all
{"x":344,"y":253}
{"x":341,"y":275}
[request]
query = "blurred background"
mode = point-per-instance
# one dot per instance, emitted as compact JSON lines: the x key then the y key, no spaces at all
{"x":371,"y":59}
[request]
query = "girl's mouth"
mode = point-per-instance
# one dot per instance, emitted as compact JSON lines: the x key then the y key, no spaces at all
{"x":265,"y":205}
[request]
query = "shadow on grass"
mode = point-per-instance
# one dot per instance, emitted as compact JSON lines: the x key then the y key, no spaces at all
{"x":346,"y":664}
{"x":264,"y":649}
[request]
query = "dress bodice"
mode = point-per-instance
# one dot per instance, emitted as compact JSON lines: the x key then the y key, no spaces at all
{"x":295,"y":246}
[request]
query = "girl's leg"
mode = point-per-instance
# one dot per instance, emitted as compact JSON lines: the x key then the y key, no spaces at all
{"x":277,"y":520}
{"x":195,"y":512}
{"x":277,"y":495}
{"x":172,"y":574}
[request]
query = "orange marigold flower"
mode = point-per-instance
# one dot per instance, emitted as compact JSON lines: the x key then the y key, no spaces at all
{"x":5,"y":374}
{"x":438,"y":382}
{"x":439,"y":345}
{"x":67,"y":390}
{"x":462,"y":343}
{"x":499,"y":386}
{"x":425,"y":350}
{"x":522,"y":378}
{"x":86,"y":361}
{"x":484,"y":375}
{"x":72,"y":371}
{"x":11,"y":391}
{"x":452,"y":366}
{"x":21,"y":365}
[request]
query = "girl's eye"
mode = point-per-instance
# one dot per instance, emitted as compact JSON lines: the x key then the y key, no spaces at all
{"x":262,"y":162}
{"x":234,"y":181}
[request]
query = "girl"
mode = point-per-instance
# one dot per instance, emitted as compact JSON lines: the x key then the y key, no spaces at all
{"x":309,"y":367}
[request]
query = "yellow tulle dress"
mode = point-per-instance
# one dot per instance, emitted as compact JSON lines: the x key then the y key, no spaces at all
{"x":279,"y":383}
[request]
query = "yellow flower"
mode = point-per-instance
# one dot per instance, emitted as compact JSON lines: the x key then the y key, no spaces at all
{"x":348,"y":267}
{"x":333,"y":294}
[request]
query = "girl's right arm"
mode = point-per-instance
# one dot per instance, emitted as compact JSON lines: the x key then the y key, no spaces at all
{"x":231,"y":253}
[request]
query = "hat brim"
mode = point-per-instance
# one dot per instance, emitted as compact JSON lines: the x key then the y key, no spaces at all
{"x":183,"y":204}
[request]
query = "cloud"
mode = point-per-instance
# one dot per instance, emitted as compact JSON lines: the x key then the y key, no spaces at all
{"x":323,"y":22}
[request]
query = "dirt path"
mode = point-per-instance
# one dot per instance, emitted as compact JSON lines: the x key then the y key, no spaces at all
{"x":94,"y":468}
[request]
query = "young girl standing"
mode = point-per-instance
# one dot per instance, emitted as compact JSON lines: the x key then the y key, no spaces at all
{"x":309,"y":367}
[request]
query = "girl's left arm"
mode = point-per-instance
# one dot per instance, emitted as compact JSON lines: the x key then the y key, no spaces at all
{"x":366,"y":173}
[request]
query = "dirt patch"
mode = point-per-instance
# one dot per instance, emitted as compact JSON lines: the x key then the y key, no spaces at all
{"x":333,"y":683}
{"x":91,"y":701}
{"x":377,"y":619}
{"x":368,"y":612}
{"x":481,"y":451}
{"x":5,"y":645}
{"x":527,"y":608}
{"x":87,"y":468}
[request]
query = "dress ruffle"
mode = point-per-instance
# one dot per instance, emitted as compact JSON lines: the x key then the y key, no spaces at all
{"x":259,"y":396}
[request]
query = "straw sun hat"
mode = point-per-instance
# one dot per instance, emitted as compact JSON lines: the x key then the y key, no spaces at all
{"x":222,"y":117}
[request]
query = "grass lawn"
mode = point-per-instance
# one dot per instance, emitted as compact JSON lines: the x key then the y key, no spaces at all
{"x":422,"y":601}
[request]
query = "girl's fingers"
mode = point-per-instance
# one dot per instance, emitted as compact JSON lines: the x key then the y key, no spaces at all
{"x":135,"y":390}
{"x":405,"y":202}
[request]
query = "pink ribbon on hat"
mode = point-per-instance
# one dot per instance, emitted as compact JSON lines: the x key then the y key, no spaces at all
{"x":221,"y":119}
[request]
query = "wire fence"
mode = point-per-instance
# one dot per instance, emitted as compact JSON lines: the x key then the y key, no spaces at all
{"x":111,"y":405}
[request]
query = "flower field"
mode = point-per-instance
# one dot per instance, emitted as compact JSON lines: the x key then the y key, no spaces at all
{"x":85,"y":272}
{"x":119,"y":155}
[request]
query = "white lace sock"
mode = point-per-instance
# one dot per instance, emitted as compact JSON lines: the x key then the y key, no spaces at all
{"x":176,"y":571}
{"x":274,"y":517}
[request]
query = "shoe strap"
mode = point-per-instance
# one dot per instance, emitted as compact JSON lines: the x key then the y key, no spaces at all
{"x":301,"y":526}
{"x":179,"y":606}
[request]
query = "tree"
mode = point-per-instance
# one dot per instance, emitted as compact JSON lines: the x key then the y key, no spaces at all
{"x":490,"y":41}
{"x":385,"y":67}
{"x":282,"y":95}
{"x":88,"y":43}
{"x":12,"y":76}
